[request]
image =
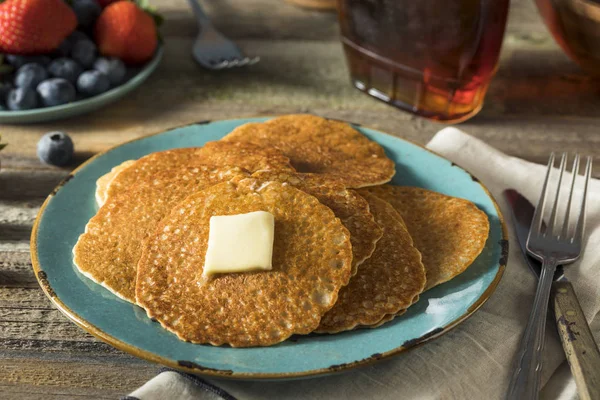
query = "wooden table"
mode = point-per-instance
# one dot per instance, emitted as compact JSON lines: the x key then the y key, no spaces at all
{"x":539,"y":101}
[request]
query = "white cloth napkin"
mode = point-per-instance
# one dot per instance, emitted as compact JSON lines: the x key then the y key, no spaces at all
{"x":475,"y":360}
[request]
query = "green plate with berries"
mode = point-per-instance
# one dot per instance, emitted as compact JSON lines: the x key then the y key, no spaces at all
{"x":134,"y":79}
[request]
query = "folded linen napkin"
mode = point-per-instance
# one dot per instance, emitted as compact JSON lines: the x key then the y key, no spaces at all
{"x":473,"y":361}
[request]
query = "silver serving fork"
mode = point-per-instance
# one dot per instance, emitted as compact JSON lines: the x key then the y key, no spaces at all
{"x":211,"y":49}
{"x":554,"y":245}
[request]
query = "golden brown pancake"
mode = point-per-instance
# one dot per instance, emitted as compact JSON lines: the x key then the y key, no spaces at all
{"x":104,"y":181}
{"x":321,"y":146}
{"x":386,"y":283}
{"x":449,"y":232}
{"x":109,"y":249}
{"x":346,"y":204}
{"x":312,"y":258}
{"x":247,"y":156}
{"x":390,"y":317}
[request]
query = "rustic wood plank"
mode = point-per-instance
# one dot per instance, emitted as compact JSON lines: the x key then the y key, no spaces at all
{"x":25,"y":393}
{"x":102,"y":379}
{"x":252,"y":19}
{"x":27,"y":184}
{"x":30,"y":324}
{"x":15,"y":270}
{"x":22,"y":192}
{"x":24,"y":298}
{"x":43,"y":353}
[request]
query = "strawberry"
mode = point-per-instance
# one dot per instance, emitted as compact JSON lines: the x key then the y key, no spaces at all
{"x":34,"y":26}
{"x":126,"y":31}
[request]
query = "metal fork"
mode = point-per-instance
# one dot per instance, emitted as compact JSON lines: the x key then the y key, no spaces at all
{"x":211,"y":49}
{"x":553,"y":246}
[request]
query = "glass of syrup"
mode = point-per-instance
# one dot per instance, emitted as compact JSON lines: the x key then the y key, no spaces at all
{"x":575,"y":25}
{"x":434,"y":58}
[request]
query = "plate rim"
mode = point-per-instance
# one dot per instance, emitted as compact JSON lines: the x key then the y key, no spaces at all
{"x":43,"y":113}
{"x":40,"y":276}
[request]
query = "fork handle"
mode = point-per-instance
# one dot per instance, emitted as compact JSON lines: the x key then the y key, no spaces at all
{"x":201,"y":16}
{"x":525,"y":383}
{"x":581,"y":349}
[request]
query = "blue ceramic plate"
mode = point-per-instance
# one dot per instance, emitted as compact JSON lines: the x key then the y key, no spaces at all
{"x":83,"y":106}
{"x":67,"y":210}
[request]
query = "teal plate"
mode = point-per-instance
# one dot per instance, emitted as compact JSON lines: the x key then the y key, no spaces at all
{"x":67,"y":210}
{"x":83,"y":106}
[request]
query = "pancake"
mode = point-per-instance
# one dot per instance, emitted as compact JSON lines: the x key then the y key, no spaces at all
{"x":312,"y":258}
{"x":104,"y":181}
{"x":449,"y":232}
{"x":347,"y":205}
{"x":247,"y":156}
{"x":322,"y":146}
{"x":386,"y":283}
{"x":385,"y":320}
{"x":109,"y":249}
{"x":390,"y":317}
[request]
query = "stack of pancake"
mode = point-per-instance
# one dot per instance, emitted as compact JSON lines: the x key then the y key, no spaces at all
{"x":350,"y":251}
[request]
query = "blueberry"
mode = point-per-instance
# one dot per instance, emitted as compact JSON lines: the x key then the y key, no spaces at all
{"x":65,"y":68}
{"x":30,"y":75}
{"x":56,"y":91}
{"x":84,"y":52}
{"x":15,"y":60}
{"x":77,"y":36}
{"x":18,"y":61}
{"x":111,"y":67}
{"x":91,"y":83}
{"x":87,"y":12}
{"x":65,"y":48}
{"x":43,"y":60}
{"x":22,"y":99}
{"x":55,"y":148}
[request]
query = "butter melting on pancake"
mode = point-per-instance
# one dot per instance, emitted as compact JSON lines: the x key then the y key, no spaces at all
{"x":312,"y":258}
{"x":240,"y":243}
{"x":346,"y":204}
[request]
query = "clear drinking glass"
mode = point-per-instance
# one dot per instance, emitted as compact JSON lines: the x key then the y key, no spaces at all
{"x":575,"y":25}
{"x":434,"y":58}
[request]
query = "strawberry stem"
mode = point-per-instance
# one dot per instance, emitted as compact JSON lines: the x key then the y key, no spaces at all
{"x":151,"y":10}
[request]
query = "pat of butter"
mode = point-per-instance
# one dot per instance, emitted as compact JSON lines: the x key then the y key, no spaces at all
{"x":240,"y":243}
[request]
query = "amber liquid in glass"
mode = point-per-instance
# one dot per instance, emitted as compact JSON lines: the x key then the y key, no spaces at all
{"x":575,"y":25}
{"x":434,"y":58}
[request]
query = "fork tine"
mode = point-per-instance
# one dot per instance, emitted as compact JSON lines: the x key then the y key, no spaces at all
{"x":550,"y":228}
{"x":233,"y":63}
{"x":221,"y":64}
{"x":578,"y":237}
{"x":574,"y":172}
{"x":536,"y":222}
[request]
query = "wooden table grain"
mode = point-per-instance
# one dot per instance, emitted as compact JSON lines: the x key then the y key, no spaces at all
{"x":539,"y":101}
